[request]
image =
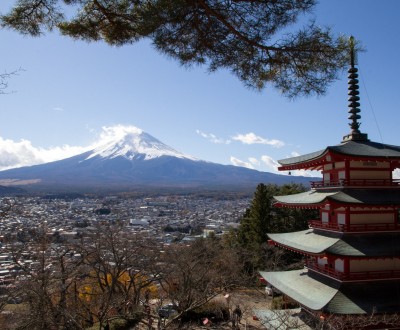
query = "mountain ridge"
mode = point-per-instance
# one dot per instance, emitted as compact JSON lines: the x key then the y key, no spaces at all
{"x":138,"y":160}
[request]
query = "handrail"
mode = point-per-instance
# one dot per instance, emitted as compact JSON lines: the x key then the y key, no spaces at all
{"x":353,"y":276}
{"x":367,"y":227}
{"x":355,"y":183}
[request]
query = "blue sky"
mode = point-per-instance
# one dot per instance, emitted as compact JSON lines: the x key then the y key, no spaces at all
{"x":71,"y":92}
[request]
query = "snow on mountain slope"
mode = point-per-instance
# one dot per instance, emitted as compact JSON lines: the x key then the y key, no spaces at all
{"x":135,"y":144}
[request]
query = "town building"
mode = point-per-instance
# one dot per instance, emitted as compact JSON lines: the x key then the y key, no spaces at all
{"x":352,"y":252}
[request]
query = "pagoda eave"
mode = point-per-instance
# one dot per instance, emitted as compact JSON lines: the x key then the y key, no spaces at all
{"x":298,"y":206}
{"x":290,"y":248}
{"x":305,"y":242}
{"x":349,"y":197}
{"x":301,"y":288}
{"x":307,"y":167}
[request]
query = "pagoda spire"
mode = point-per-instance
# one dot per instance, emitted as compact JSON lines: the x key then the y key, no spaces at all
{"x":354,"y":99}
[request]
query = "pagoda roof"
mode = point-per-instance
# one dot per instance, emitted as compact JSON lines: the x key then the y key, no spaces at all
{"x":356,"y":149}
{"x":313,"y":241}
{"x":305,"y":289}
{"x":305,"y":240}
{"x":320,"y":293}
{"x":346,"y":196}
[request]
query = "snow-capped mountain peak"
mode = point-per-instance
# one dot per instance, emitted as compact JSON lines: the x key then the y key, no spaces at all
{"x":133,"y":143}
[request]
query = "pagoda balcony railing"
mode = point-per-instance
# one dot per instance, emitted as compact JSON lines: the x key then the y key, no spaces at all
{"x":352,"y":276}
{"x":367,"y":227}
{"x":355,"y":183}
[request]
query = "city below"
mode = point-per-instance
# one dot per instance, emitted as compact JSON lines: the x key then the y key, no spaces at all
{"x":172,"y":219}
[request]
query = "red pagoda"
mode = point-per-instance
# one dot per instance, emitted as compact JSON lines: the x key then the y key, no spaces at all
{"x":353,"y":250}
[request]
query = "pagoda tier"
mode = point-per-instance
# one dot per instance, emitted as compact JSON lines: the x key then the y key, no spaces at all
{"x":321,"y":243}
{"x":346,"y":257}
{"x":319,"y":293}
{"x":349,"y":210}
{"x":350,"y":164}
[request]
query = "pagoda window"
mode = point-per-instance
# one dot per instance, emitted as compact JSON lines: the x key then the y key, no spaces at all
{"x":341,"y":218}
{"x":322,"y":261}
{"x":325,"y":216}
{"x":339,"y":265}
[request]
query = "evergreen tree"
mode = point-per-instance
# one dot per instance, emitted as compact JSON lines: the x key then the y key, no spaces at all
{"x":256,"y":223}
{"x":262,"y":218}
{"x":252,"y":39}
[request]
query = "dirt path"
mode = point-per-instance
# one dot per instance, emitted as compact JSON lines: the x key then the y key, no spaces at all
{"x":248,"y":300}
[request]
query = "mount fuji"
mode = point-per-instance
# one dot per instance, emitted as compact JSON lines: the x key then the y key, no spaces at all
{"x":137,"y":160}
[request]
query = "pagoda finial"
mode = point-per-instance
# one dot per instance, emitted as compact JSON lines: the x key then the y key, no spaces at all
{"x":352,"y":51}
{"x":354,"y":99}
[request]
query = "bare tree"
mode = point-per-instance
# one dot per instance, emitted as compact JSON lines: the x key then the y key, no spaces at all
{"x":4,"y":78}
{"x":197,"y":273}
{"x":44,"y":283}
{"x":120,"y":270}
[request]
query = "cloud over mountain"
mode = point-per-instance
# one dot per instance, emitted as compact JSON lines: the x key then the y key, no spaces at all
{"x":22,"y":153}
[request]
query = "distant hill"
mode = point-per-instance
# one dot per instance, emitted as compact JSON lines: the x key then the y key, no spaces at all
{"x":138,"y":161}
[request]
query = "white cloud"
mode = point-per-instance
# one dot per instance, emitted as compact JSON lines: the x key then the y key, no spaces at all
{"x":113,"y":133}
{"x":241,"y":163}
{"x":271,"y":164}
{"x":23,"y":153}
{"x":254,"y":161}
{"x":212,"y":137}
{"x":251,"y":138}
{"x":58,"y":109}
